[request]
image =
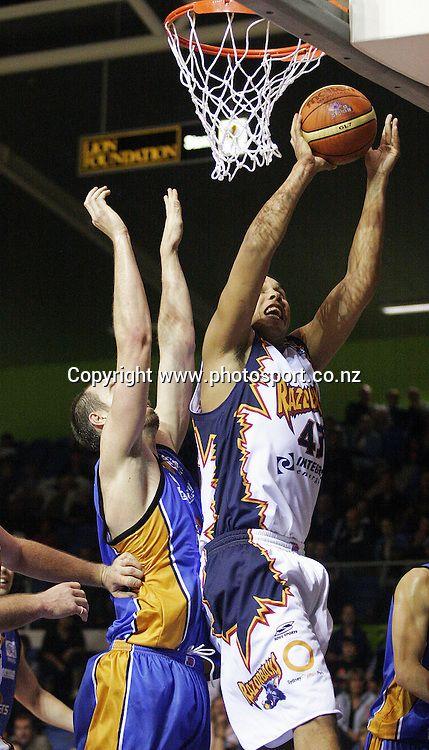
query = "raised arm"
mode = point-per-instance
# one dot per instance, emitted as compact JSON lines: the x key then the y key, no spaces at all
{"x":230,"y":328}
{"x":410,"y":632}
{"x":132,"y":327}
{"x":342,"y":308}
{"x":176,"y":336}
{"x":38,"y":701}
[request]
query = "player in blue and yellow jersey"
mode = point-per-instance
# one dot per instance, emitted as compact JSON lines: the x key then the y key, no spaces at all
{"x":18,"y":680}
{"x":148,"y":690}
{"x":400,"y":716}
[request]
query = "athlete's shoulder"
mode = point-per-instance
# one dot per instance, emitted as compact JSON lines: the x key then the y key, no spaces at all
{"x":414,"y":585}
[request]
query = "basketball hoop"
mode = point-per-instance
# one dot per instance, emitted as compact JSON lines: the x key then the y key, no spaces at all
{"x":235,"y":88}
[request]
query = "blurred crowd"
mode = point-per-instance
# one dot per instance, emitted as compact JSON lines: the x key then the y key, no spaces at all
{"x":373,"y":508}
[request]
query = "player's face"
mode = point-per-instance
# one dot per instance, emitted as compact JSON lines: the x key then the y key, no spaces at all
{"x":272,"y":313}
{"x":6,"y":580}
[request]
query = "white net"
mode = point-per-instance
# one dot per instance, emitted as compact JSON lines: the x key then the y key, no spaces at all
{"x":234,"y":93}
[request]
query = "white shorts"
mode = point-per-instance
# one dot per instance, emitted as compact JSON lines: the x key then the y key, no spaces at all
{"x":268,"y":610}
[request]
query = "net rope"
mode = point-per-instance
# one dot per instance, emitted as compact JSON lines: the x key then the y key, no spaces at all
{"x":234,"y":95}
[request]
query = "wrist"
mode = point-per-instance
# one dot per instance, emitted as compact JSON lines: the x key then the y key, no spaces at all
{"x":41,"y":610}
{"x":377,"y":180}
{"x":102,"y":576}
{"x":169,"y":248}
{"x":120,"y":233}
{"x":306,"y":168}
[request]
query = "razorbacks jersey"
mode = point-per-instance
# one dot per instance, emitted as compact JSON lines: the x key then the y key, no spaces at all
{"x":167,"y":612}
{"x":10,"y":652}
{"x":261,"y":451}
{"x":397,"y":714}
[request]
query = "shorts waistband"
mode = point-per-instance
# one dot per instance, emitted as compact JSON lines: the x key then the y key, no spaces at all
{"x":257,"y":535}
{"x":192,"y":660}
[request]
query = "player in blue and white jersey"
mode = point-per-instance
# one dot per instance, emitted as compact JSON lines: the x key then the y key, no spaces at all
{"x":261,"y":448}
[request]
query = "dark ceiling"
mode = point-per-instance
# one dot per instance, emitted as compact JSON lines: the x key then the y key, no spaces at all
{"x":57,"y":286}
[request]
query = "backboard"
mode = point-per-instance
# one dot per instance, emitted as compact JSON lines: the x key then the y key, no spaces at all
{"x":326,"y":24}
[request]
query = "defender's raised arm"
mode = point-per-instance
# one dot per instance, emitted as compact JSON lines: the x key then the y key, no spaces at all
{"x":176,"y":335}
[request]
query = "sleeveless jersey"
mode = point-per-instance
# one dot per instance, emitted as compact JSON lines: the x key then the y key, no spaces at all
{"x":168,"y":613}
{"x":261,"y":451}
{"x":397,"y":714}
{"x":10,"y":652}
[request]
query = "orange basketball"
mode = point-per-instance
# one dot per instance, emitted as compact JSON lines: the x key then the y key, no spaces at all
{"x":339,"y":123}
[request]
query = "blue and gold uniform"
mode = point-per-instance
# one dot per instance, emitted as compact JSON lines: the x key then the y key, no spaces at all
{"x":10,"y":652}
{"x":398,"y":720}
{"x":148,"y":690}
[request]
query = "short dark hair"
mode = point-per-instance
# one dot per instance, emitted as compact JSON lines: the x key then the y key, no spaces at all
{"x":83,"y":431}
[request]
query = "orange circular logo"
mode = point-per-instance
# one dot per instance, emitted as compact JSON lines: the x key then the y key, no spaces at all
{"x":298,"y":667}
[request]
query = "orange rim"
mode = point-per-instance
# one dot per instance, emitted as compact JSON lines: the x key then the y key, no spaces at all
{"x":231,"y":6}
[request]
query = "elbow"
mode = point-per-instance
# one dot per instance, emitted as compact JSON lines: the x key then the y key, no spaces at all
{"x":134,"y":339}
{"x":176,"y":328}
{"x":403,"y":676}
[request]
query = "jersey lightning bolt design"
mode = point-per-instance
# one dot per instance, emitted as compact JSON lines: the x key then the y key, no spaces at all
{"x":261,"y":451}
{"x":236,"y":609}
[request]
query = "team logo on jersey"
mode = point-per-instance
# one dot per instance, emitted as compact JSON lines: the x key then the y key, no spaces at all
{"x":284,"y":630}
{"x":298,"y":656}
{"x":293,"y":400}
{"x":11,"y":650}
{"x":267,"y":679}
{"x":285,"y":463}
{"x":171,"y":464}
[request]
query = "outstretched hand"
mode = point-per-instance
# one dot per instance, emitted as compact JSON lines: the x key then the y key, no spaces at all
{"x":102,"y":215}
{"x":381,"y":160}
{"x":303,"y":151}
{"x":173,"y":228}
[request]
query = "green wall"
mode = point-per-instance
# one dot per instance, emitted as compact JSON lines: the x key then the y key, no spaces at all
{"x":35,"y":399}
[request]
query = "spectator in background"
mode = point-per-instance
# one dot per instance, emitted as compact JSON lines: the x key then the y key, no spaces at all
{"x":63,"y":658}
{"x":350,"y":537}
{"x":417,"y":414}
{"x":24,"y":734}
{"x":390,"y":545}
{"x":223,"y":738}
{"x":384,"y":497}
{"x":338,"y":464}
{"x":364,"y":406}
{"x":347,"y":662}
{"x":397,"y":416}
{"x":349,"y":630}
{"x":354,"y":703}
{"x":323,"y":519}
{"x":366,"y":447}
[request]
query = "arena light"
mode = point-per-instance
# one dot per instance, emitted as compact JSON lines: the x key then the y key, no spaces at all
{"x":195,"y":142}
{"x":406,"y":309}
